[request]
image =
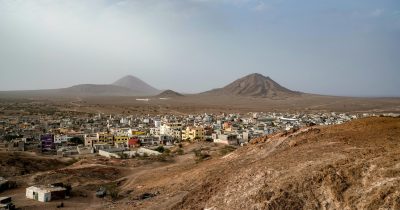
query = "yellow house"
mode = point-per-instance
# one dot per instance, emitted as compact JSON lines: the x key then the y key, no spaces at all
{"x":138,"y":133}
{"x":121,"y":139}
{"x":193,"y":133}
{"x":64,"y":130}
{"x":105,"y":138}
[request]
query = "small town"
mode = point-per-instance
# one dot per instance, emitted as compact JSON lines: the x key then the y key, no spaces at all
{"x":118,"y":136}
{"x":199,"y":104}
{"x":111,"y":135}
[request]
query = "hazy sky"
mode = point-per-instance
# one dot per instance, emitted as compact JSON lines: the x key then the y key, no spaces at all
{"x":340,"y":47}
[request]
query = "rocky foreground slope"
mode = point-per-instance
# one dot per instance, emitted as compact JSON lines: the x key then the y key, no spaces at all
{"x":351,"y":166}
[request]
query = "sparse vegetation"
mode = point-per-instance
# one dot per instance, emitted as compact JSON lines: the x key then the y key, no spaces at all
{"x":180,"y":151}
{"x":209,"y":140}
{"x":124,"y":156}
{"x":201,"y":155}
{"x":161,"y":158}
{"x":160,"y":149}
{"x":226,"y":150}
{"x":112,"y":190}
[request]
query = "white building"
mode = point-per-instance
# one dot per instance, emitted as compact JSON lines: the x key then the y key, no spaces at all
{"x":229,"y":139}
{"x":157,"y":123}
{"x":45,"y":193}
{"x":124,"y":120}
{"x":91,"y":139}
{"x":172,"y":129}
{"x":155,"y":131}
{"x":122,"y":131}
{"x":59,"y":139}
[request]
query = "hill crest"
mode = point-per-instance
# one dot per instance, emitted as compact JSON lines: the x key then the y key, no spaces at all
{"x":136,"y":85}
{"x":169,"y":94}
{"x":254,"y":85}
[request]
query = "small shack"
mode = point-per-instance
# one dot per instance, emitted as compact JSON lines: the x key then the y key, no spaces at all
{"x":45,"y":193}
{"x":6,"y":203}
{"x":5,"y":184}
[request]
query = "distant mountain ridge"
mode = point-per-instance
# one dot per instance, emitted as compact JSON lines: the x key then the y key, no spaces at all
{"x":254,"y":85}
{"x":96,"y":90}
{"x":126,"y":86}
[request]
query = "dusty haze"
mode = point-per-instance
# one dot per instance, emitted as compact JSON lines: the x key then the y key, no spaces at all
{"x":335,"y":48}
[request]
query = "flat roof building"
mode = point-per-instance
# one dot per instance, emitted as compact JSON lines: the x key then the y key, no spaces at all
{"x":45,"y":193}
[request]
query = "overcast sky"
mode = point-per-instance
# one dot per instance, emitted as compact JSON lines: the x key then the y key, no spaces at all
{"x":338,"y":47}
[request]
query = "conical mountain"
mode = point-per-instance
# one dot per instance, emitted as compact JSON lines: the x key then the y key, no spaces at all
{"x":136,"y":85}
{"x":254,"y":85}
{"x":169,"y":94}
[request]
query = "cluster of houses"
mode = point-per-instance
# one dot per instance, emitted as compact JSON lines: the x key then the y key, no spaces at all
{"x":91,"y":133}
{"x":127,"y":136}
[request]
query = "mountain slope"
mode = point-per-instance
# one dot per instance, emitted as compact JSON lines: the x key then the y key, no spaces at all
{"x":136,"y":85}
{"x":83,"y":90}
{"x":350,"y":166}
{"x":96,"y":90}
{"x":254,"y":85}
{"x":126,"y":86}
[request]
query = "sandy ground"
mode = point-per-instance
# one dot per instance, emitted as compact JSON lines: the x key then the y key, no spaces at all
{"x":88,"y":174}
{"x":191,"y":104}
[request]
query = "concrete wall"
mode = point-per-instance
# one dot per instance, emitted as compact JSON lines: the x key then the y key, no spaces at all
{"x":141,"y":151}
{"x":84,"y":150}
{"x":108,"y":154}
{"x":221,"y":141}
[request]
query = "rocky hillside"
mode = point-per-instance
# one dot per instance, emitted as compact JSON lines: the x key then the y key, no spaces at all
{"x":18,"y":163}
{"x":355,"y":165}
{"x":351,"y":166}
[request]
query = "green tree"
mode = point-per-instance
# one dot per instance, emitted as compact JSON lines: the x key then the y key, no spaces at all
{"x":160,"y":149}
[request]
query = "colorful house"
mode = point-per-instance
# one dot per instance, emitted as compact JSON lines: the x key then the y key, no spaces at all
{"x":47,"y":141}
{"x":105,"y":138}
{"x":121,"y":139}
{"x":193,"y":133}
{"x":133,"y":142}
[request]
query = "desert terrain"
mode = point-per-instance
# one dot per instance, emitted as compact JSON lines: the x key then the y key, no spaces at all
{"x":355,"y":165}
{"x":191,"y":104}
{"x":199,"y":105}
{"x":251,"y":93}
